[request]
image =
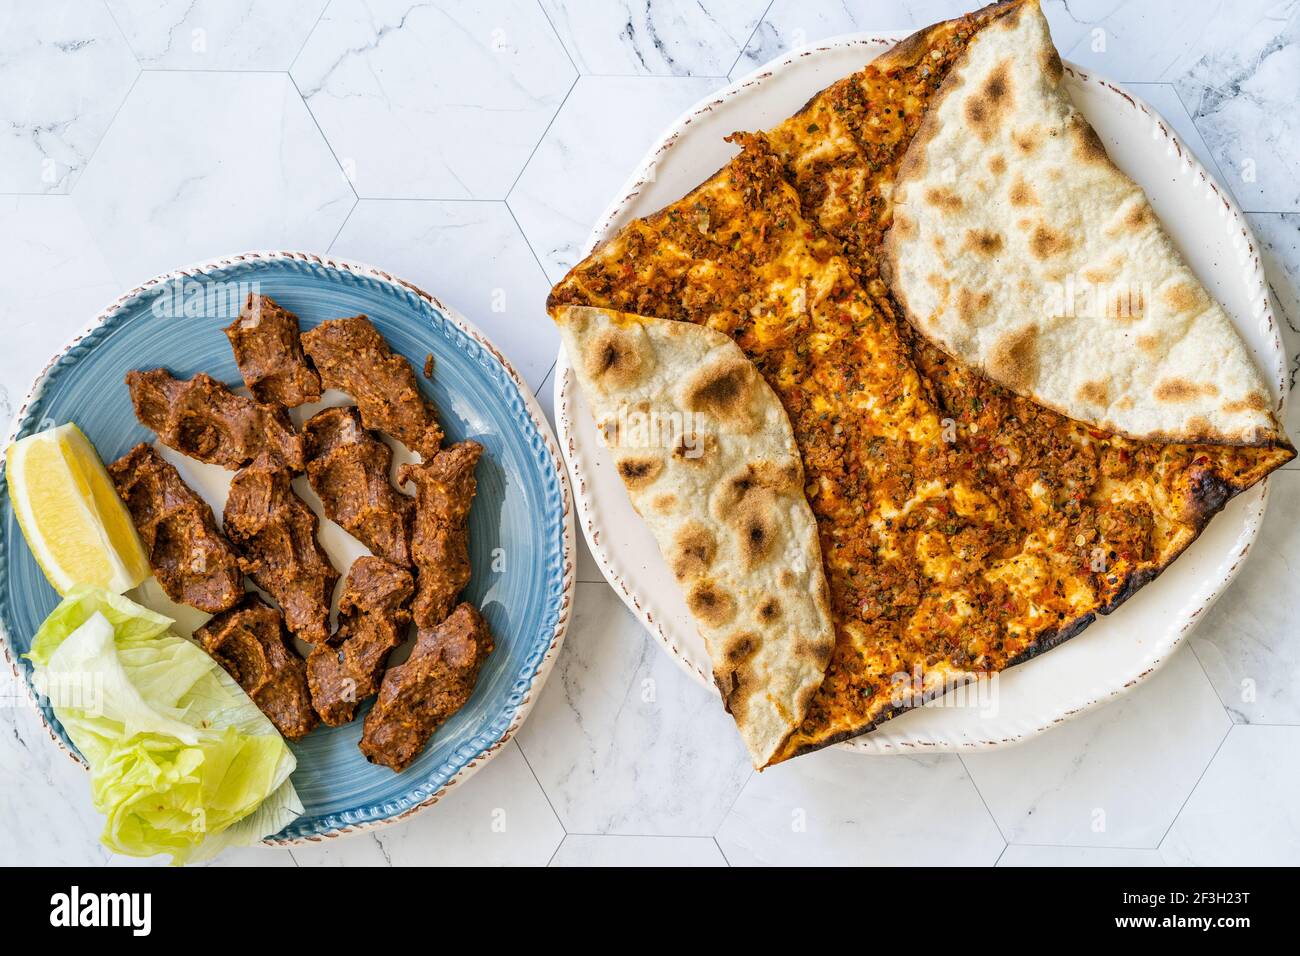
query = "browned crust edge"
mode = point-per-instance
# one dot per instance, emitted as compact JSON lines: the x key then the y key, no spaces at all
{"x":903,"y":51}
{"x":1209,"y":497}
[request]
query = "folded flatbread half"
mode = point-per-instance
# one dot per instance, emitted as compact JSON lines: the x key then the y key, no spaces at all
{"x":708,"y":458}
{"x":964,"y":526}
{"x":1019,"y":247}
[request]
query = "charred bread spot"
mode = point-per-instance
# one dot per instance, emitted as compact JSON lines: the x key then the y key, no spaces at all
{"x":970,"y":304}
{"x":1053,"y":639}
{"x":1133,"y":217}
{"x":983,"y":242}
{"x":1208,"y":494}
{"x":724,"y":390}
{"x":1183,"y":297}
{"x":639,"y":472}
{"x":782,"y":478}
{"x":617,"y":358}
{"x":734,"y":675}
{"x":1254,"y":402}
{"x":664,"y":504}
{"x":1094,"y":393}
{"x":1014,"y":357}
{"x":710,"y":604}
{"x":941,"y":286}
{"x":1053,"y":69}
{"x":1021,"y":193}
{"x":1104,"y":271}
{"x":1046,"y":242}
{"x":1026,"y":140}
{"x":943,"y":197}
{"x":769,"y":611}
{"x":694,"y":549}
{"x":1178,"y":390}
{"x":1088,"y":147}
{"x":987,"y":107}
{"x":756,"y":529}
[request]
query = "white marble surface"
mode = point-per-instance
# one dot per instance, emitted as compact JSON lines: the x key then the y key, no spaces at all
{"x":482,"y":141}
{"x":216,"y":34}
{"x":433,"y":101}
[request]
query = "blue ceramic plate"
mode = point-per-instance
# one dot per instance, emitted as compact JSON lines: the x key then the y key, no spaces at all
{"x":522,"y":507}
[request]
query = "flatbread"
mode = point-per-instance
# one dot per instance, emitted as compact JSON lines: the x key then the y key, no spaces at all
{"x":1019,"y":247}
{"x":709,"y":460}
{"x":963,"y":528}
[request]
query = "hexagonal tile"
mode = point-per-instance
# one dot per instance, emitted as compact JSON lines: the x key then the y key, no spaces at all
{"x":1164,"y":99}
{"x":55,"y":281}
{"x":1113,"y":777}
{"x":839,"y":808}
{"x":623,"y":740}
{"x":1241,"y":91}
{"x":574,"y":174}
{"x":1133,"y":42}
{"x":211,"y":35}
{"x":64,"y":71}
{"x":1246,"y":642}
{"x":239,"y":856}
{"x":790,"y":24}
{"x":1279,"y":248}
{"x":1244,"y":811}
{"x":204,"y":164}
{"x":355,"y":849}
{"x":433,"y":101}
{"x":45,"y":801}
{"x":582,"y":850}
{"x":1078,"y":856}
{"x":472,"y":256}
{"x":1232,"y":66}
{"x":499,"y":817}
{"x":671,"y":37}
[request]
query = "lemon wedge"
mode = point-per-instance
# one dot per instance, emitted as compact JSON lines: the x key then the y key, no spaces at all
{"x":77,"y":527}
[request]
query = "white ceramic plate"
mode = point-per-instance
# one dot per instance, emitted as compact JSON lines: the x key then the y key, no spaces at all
{"x":1116,"y":652}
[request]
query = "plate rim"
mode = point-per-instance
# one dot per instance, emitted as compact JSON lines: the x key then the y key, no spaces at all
{"x":531,"y":406}
{"x":643,"y":172}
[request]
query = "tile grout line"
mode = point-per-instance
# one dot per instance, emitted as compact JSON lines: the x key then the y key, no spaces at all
{"x":346,"y":219}
{"x":725,"y":858}
{"x":1188,"y":640}
{"x":122,"y":33}
{"x":307,"y":39}
{"x":1085,"y":846}
{"x":559,"y":39}
{"x":979,"y":793}
{"x":328,"y":145}
{"x":529,"y":243}
{"x":1196,"y":786}
{"x":537,"y":780}
{"x":556,"y":851}
{"x":1191,"y":118}
{"x":541,"y":139}
{"x":95,"y":152}
{"x":750,"y":39}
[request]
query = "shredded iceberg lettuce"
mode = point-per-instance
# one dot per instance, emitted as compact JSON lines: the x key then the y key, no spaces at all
{"x":181,"y":760}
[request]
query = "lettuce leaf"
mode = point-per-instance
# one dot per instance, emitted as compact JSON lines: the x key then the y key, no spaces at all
{"x":181,"y":760}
